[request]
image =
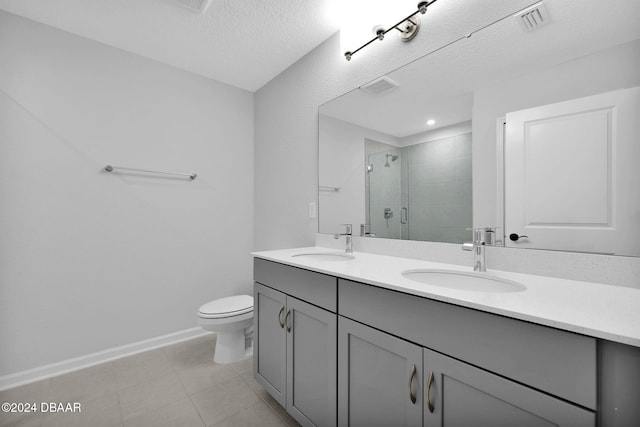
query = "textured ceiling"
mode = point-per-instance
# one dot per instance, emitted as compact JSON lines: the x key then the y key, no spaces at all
{"x":244,"y":43}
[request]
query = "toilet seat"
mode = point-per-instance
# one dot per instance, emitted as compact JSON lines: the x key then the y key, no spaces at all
{"x":227,"y":307}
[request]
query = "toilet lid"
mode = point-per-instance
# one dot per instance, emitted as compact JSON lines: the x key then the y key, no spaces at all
{"x":229,"y":306}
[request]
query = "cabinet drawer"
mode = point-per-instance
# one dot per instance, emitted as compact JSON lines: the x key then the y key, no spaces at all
{"x":557,"y":362}
{"x":316,"y":288}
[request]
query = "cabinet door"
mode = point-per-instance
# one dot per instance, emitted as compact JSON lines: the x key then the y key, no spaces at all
{"x":311,"y":364}
{"x":379,"y":378}
{"x":269,"y":358}
{"x":460,"y":395}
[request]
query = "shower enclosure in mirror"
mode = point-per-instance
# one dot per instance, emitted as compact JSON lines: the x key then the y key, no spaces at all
{"x":406,"y":179}
{"x":416,"y":187}
{"x":420,"y":191}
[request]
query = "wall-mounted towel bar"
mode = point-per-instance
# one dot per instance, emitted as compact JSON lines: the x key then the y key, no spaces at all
{"x":325,"y":188}
{"x":111,"y":168}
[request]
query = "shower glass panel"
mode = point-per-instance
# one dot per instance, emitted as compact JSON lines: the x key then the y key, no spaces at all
{"x":384,"y":179}
{"x":422,"y":191}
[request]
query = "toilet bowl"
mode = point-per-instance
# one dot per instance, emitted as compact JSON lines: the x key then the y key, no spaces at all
{"x":232,"y":319}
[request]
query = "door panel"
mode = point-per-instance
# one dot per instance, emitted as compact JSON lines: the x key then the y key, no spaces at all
{"x":463,"y":395}
{"x":312,"y":370}
{"x":571,"y":174}
{"x":270,"y":347}
{"x":375,"y":378}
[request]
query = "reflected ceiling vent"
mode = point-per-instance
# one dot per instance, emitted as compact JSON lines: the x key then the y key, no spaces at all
{"x":532,"y":17}
{"x":198,"y":6}
{"x":381,"y":85}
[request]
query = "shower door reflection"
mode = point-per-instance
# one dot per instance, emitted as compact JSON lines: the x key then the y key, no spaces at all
{"x":384,"y":182}
{"x":420,"y":192}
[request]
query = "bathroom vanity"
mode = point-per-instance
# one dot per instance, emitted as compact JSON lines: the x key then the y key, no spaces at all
{"x":353,"y":342}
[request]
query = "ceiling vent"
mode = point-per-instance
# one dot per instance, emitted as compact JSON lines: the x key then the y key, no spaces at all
{"x":198,"y":6}
{"x":381,"y":85}
{"x":532,"y":17}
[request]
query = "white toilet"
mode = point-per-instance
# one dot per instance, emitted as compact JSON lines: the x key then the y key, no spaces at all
{"x":232,"y":319}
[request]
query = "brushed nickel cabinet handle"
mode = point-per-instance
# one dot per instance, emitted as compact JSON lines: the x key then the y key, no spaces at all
{"x":286,"y":321}
{"x":429,"y":382}
{"x":280,"y":322}
{"x":411,"y":395}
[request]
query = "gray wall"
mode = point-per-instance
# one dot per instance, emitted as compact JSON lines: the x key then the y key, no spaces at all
{"x":91,"y":260}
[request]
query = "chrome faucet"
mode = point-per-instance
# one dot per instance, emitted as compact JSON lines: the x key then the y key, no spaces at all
{"x":347,"y":235}
{"x":481,"y":238}
{"x":365,"y":231}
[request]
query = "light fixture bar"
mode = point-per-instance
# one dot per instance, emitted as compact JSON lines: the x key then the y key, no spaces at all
{"x":380,"y":33}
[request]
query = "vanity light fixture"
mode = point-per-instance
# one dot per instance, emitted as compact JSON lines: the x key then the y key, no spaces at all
{"x":431,"y":122}
{"x":408,"y":28}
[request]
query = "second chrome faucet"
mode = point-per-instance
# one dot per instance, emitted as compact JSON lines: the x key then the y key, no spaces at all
{"x":347,"y":234}
{"x":481,"y":238}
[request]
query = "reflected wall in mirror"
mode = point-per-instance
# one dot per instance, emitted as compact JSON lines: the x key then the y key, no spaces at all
{"x":469,"y":88}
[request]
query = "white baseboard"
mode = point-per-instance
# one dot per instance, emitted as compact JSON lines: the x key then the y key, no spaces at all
{"x":70,"y":365}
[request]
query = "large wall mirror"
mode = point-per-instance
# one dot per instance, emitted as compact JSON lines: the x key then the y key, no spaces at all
{"x":534,"y":132}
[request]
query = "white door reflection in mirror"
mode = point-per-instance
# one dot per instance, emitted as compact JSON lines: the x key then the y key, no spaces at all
{"x":572,"y":175}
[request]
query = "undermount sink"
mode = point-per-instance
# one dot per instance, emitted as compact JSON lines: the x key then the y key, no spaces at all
{"x":325,"y":256}
{"x":465,"y":281}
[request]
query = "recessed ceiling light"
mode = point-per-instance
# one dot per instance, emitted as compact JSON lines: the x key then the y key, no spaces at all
{"x":431,"y":122}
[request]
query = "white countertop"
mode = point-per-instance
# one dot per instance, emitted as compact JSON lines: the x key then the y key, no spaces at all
{"x":597,"y":310}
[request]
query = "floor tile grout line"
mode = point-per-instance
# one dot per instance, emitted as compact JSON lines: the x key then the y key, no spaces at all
{"x":119,"y":405}
{"x":172,"y":371}
{"x":271,"y":409}
{"x":266,"y":403}
{"x":184,"y":387}
{"x":244,"y":380}
{"x":204,"y":423}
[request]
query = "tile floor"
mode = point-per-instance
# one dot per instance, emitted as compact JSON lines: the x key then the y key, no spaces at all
{"x":177,"y":385}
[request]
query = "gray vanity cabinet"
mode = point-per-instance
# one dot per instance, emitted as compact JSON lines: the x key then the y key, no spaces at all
{"x":380,"y":378}
{"x":385,"y":358}
{"x":461,"y":395}
{"x":387,"y":381}
{"x":472,"y":370}
{"x":296,"y":341}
